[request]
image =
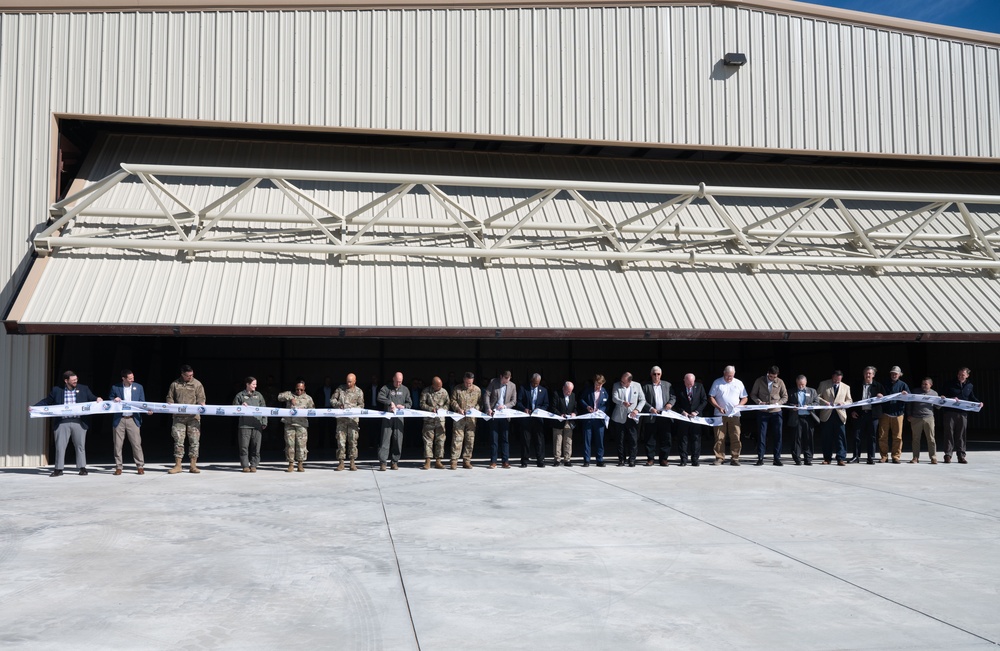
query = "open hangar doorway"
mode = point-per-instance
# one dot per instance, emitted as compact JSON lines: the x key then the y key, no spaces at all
{"x":222,"y":362}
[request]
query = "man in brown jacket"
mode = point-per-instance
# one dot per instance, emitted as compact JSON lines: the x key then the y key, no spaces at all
{"x":769,"y":389}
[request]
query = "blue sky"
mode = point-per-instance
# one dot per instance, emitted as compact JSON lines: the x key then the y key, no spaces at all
{"x":983,"y":15}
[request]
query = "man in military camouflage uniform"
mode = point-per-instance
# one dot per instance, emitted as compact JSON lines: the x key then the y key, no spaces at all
{"x":297,"y":427}
{"x":433,"y":398}
{"x":186,"y":390}
{"x":348,"y":396}
{"x":464,"y":397}
{"x":251,"y":427}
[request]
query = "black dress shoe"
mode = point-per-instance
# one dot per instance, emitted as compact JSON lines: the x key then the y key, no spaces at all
{"x":620,"y":463}
{"x":56,"y":473}
{"x":683,"y":463}
{"x":83,"y":471}
{"x":586,"y":464}
{"x":631,"y":464}
{"x":870,"y":462}
{"x":696,"y":463}
{"x":797,"y":462}
{"x":808,"y":462}
{"x":524,"y":464}
{"x":777,"y":462}
{"x":567,"y":463}
{"x":855,"y":460}
{"x":540,"y":464}
{"x":600,"y":464}
{"x":760,"y":462}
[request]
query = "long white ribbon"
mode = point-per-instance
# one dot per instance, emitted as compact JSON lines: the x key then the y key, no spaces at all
{"x":712,"y":421}
{"x":935,"y":401}
{"x":112,"y":407}
{"x":596,"y":415}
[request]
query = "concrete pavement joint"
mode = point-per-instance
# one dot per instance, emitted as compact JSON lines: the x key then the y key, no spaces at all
{"x":395,"y":558}
{"x":789,"y":557}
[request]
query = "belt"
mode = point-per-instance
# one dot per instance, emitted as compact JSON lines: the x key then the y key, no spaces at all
{"x":124,"y":416}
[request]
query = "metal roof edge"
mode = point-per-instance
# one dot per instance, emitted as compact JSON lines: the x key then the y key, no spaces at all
{"x":182,"y":330}
{"x":782,"y":6}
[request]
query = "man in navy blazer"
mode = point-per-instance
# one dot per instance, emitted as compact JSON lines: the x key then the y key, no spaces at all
{"x":72,"y":427}
{"x":691,"y":401}
{"x":529,"y":399}
{"x":122,"y":425}
{"x":594,"y":399}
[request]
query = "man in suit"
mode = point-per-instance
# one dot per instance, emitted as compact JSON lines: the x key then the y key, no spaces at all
{"x":393,"y":397}
{"x":629,"y":403}
{"x":802,"y":422}
{"x":122,"y":425}
{"x":955,"y":421}
{"x":691,"y":402}
{"x":532,"y":429}
{"x":659,"y":397}
{"x":594,"y":400}
{"x":865,"y":418}
{"x":834,"y":392}
{"x":562,"y":432}
{"x":71,"y":427}
{"x":769,"y":389}
{"x":500,"y":395}
{"x":726,"y":395}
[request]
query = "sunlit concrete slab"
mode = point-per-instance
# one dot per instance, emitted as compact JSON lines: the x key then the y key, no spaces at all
{"x":821,"y":557}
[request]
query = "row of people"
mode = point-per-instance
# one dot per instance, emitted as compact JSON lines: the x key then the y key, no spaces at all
{"x":624,"y":405}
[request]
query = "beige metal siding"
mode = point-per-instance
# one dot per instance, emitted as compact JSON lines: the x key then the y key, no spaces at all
{"x":615,"y":74}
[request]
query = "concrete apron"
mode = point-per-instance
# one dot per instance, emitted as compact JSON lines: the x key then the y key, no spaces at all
{"x":821,"y":557}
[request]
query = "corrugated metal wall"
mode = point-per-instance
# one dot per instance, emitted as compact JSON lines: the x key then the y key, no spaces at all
{"x":630,"y":74}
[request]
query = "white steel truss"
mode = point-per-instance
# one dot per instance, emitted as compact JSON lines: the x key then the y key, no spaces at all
{"x":523,"y":219}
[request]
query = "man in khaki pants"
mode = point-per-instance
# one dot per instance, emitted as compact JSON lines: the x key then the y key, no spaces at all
{"x":921,"y":417}
{"x":123,"y":425}
{"x":562,"y":433}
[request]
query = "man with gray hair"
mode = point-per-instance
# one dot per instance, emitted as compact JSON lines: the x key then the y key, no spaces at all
{"x":726,"y":395}
{"x":562,"y":432}
{"x":802,"y":421}
{"x":392,"y":398}
{"x":659,"y":397}
{"x":532,"y":430}
{"x":629,"y":403}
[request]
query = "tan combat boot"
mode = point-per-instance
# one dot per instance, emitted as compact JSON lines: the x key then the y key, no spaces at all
{"x":302,"y":466}
{"x":454,"y":464}
{"x":176,"y":469}
{"x":194,"y":465}
{"x":353,"y":466}
{"x":467,"y":464}
{"x":340,"y":466}
{"x":291,"y":467}
{"x":438,"y":464}
{"x":381,"y":466}
{"x":394,"y":466}
{"x":427,"y":463}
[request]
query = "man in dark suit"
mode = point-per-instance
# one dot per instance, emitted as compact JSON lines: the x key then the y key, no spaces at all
{"x":532,"y":429}
{"x":127,"y":424}
{"x":71,"y":427}
{"x":691,"y":401}
{"x":659,"y":398}
{"x":865,"y":419}
{"x":562,"y":431}
{"x":595,"y":399}
{"x":802,"y":422}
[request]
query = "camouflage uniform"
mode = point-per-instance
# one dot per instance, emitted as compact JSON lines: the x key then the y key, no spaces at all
{"x":347,"y":428}
{"x":464,"y":433}
{"x":431,"y":400}
{"x":250,"y":428}
{"x":186,"y":393}
{"x":296,"y":428}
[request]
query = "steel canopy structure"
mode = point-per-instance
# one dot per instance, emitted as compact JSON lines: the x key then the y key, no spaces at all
{"x":625,"y":223}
